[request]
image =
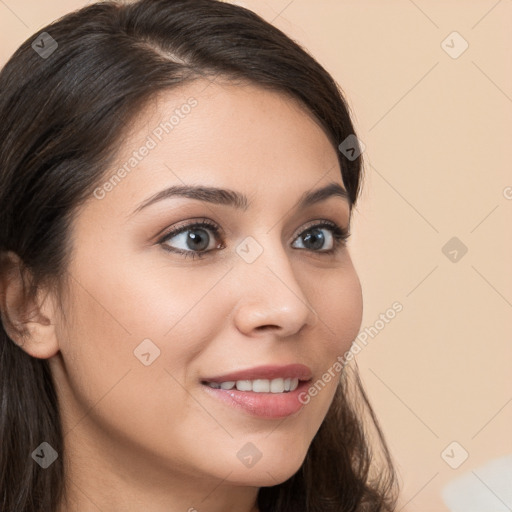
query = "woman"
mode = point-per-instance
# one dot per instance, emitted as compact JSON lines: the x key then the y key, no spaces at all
{"x":178,"y":299}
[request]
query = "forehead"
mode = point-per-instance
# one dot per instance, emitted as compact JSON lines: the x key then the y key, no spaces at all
{"x":242,"y":137}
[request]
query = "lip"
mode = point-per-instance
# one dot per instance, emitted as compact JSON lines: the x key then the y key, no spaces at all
{"x":263,"y":405}
{"x":289,"y":371}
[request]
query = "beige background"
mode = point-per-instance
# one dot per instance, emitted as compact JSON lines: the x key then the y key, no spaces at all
{"x":438,"y":139}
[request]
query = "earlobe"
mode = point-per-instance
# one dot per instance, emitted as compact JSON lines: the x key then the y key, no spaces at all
{"x":28,"y":320}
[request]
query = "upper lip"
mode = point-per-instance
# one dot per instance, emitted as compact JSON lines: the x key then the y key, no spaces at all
{"x":289,"y":371}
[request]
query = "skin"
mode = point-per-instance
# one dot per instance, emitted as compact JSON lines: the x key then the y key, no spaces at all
{"x":149,"y":437}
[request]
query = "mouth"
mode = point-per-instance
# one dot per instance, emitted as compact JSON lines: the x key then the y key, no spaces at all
{"x":278,"y":385}
{"x":266,"y":391}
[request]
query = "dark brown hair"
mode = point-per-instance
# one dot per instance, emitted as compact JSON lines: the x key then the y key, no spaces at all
{"x":63,"y":116}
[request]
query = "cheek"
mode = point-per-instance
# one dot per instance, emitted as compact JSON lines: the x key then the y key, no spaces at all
{"x":126,"y":314}
{"x":339,"y":305}
{"x":126,"y":300}
{"x":160,"y":299}
{"x":338,"y":301}
{"x":111,"y":312}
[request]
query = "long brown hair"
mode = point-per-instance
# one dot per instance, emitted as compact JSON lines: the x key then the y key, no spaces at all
{"x":63,"y":114}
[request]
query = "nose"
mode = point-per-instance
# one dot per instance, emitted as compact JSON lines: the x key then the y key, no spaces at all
{"x":270,"y":296}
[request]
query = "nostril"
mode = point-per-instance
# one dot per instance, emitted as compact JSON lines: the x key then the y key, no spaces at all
{"x":267,"y":327}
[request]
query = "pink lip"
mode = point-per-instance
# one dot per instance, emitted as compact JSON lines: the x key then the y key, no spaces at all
{"x":263,"y":405}
{"x":289,"y":371}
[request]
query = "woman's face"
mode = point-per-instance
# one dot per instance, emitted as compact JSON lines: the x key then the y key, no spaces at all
{"x":144,"y":326}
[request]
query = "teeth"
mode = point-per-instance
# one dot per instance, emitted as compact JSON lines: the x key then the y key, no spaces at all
{"x":244,"y":385}
{"x":276,"y":385}
{"x":259,"y":385}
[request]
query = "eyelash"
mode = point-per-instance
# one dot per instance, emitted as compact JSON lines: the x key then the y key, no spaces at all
{"x":340,"y":237}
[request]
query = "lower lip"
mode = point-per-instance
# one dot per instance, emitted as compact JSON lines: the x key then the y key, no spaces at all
{"x":263,"y":405}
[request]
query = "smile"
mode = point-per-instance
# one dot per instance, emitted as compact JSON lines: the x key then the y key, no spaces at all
{"x":258,"y":385}
{"x":266,"y":391}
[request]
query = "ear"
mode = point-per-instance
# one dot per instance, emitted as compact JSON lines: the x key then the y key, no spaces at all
{"x":30,"y":321}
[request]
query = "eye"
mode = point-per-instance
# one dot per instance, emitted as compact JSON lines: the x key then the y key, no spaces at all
{"x":315,"y":239}
{"x":194,"y":239}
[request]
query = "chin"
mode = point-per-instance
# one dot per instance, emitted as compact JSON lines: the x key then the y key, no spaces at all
{"x":272,"y":472}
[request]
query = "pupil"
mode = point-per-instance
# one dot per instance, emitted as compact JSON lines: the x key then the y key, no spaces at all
{"x":317,"y":237}
{"x":195,"y":240}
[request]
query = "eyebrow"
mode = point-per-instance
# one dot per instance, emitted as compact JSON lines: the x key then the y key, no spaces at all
{"x":237,"y":200}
